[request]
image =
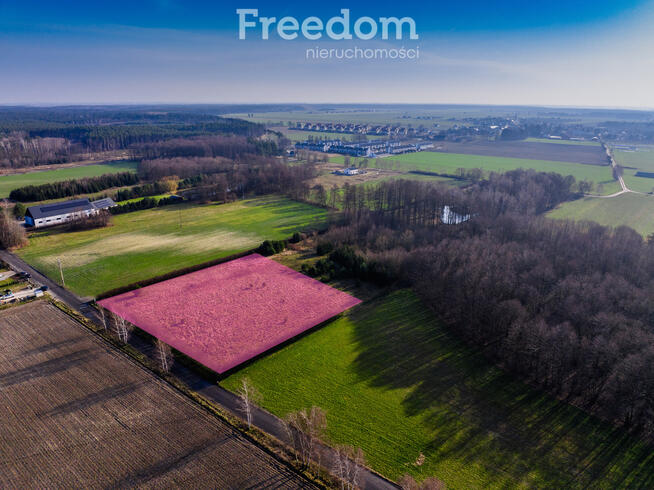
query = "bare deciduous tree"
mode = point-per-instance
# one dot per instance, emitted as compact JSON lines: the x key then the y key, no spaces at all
{"x":164,"y":355}
{"x":347,"y":465}
{"x":103,"y":317}
{"x":122,"y":328}
{"x":249,"y":396}
{"x":305,"y":430}
{"x":12,"y":233}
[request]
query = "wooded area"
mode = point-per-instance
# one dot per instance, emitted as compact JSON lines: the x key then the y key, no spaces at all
{"x":566,"y":306}
{"x":37,"y":136}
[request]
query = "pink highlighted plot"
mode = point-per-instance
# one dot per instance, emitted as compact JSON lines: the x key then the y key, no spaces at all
{"x":225,"y":315}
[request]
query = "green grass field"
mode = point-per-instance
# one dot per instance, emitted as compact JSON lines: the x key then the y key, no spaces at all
{"x":11,"y":182}
{"x":448,"y":163}
{"x":396,"y":384}
{"x":562,"y":142}
{"x":643,"y":159}
{"x":639,"y":184}
{"x":634,"y":161}
{"x":634,"y":210}
{"x":148,"y":243}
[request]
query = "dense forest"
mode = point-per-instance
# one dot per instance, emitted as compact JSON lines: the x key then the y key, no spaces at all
{"x":207,"y":146}
{"x":38,"y":136}
{"x":567,"y":306}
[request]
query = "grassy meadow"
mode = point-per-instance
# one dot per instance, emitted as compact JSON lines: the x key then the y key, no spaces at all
{"x":11,"y":182}
{"x":643,"y":159}
{"x":634,"y":210}
{"x":145,"y":244}
{"x":448,"y":163}
{"x":398,"y":385}
{"x":634,"y":161}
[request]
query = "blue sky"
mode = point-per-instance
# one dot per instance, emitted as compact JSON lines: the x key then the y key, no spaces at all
{"x":576,"y":53}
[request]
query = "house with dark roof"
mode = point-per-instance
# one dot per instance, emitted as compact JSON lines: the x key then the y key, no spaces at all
{"x":57,"y":213}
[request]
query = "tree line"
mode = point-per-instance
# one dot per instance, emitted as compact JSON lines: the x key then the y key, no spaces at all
{"x":567,"y":306}
{"x":68,"y":188}
{"x":145,"y":203}
{"x":162,"y":186}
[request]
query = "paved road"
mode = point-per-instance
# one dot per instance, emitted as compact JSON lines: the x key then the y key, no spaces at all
{"x":262,"y":419}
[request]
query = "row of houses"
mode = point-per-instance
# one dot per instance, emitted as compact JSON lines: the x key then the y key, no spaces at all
{"x":370,"y":148}
{"x":369,"y":129}
{"x":57,"y":213}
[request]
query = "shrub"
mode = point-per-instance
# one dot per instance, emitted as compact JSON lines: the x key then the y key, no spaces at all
{"x":19,"y":210}
{"x":99,"y":220}
{"x":324,"y":248}
{"x":271,"y":247}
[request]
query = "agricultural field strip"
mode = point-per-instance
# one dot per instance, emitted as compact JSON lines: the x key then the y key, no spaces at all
{"x":449,"y":163}
{"x":68,"y":420}
{"x":629,"y":209}
{"x":10,"y":182}
{"x":585,"y":154}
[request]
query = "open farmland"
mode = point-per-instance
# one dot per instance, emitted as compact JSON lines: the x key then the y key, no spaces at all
{"x":641,"y":159}
{"x":225,"y":315}
{"x":449,"y":163}
{"x":10,"y":182}
{"x":638,"y":183}
{"x":145,"y":244}
{"x":533,"y":150}
{"x":561,"y":142}
{"x":378,"y":116}
{"x":78,"y":414}
{"x":392,"y":387}
{"x":633,"y":210}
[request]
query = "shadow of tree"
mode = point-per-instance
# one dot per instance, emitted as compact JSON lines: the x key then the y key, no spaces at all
{"x":45,"y":368}
{"x":479,"y":414}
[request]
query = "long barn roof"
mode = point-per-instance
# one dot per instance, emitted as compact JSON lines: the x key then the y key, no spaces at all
{"x":57,"y":208}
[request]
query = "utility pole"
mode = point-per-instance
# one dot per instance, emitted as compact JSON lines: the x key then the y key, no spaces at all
{"x":61,"y":273}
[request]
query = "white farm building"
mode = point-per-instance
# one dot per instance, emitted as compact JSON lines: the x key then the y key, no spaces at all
{"x":61,"y":212}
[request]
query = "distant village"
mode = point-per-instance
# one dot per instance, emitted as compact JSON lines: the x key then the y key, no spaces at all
{"x":373,"y":148}
{"x":493,"y":128}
